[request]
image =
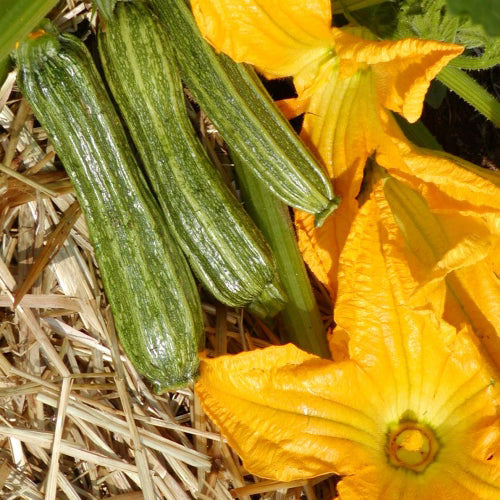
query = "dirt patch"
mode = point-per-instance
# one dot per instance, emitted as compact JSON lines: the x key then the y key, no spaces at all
{"x":464,"y":132}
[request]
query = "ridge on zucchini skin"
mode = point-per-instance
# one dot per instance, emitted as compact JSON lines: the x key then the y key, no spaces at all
{"x":153,"y":296}
{"x":226,"y":250}
{"x":236,"y":101}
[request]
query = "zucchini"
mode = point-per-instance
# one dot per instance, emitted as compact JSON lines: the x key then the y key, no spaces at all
{"x":153,"y":296}
{"x":301,"y":317}
{"x":227,"y":252}
{"x":247,"y":118}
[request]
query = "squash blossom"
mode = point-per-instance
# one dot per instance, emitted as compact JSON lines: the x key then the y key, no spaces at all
{"x":412,"y":413}
{"x":347,"y":83}
{"x":443,"y":215}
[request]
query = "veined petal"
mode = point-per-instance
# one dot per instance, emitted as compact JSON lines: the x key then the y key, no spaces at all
{"x":321,"y":247}
{"x":343,"y":128}
{"x":470,"y":238}
{"x":449,"y":184}
{"x":430,"y":373}
{"x":473,"y":298}
{"x":449,"y":258}
{"x":278,"y":37}
{"x":402,"y":69}
{"x":413,"y":387}
{"x":472,"y":457}
{"x":451,"y":482}
{"x":371,"y":308}
{"x":441,"y":242}
{"x":292,"y":415}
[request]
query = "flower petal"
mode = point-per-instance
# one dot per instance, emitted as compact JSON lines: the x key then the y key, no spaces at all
{"x":343,"y":128}
{"x":278,"y":37}
{"x":444,"y":242}
{"x":403,"y":69}
{"x":292,"y":415}
{"x":449,"y":253}
{"x":451,"y":184}
{"x":420,"y":366}
{"x":473,"y":298}
{"x":472,"y":458}
{"x":321,"y":247}
{"x":374,"y":283}
{"x":440,"y":481}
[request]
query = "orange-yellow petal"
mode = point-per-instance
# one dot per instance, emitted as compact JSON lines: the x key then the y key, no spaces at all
{"x":321,"y":247}
{"x":443,"y":241}
{"x":371,"y":307}
{"x":473,"y":298}
{"x":280,"y":38}
{"x":292,"y":415}
{"x":448,"y":183}
{"x":420,"y":366}
{"x":448,"y":255}
{"x":293,"y":107}
{"x":342,"y":127}
{"x":402,"y":69}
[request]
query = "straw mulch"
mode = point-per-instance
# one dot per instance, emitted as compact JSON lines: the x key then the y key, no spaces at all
{"x":76,"y":420}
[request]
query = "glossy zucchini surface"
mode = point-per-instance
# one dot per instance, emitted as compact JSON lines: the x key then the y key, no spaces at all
{"x":237,"y":103}
{"x":227,"y":252}
{"x":153,"y":296}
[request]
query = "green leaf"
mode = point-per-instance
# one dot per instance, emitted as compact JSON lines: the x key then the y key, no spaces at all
{"x":18,"y":18}
{"x":435,"y":20}
{"x":484,"y":12}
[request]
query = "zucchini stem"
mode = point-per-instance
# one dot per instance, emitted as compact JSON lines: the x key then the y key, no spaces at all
{"x":470,"y":90}
{"x":301,"y":316}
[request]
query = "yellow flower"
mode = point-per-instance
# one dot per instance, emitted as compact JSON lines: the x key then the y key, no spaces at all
{"x":444,"y":222}
{"x":346,"y":83}
{"x":411,"y":414}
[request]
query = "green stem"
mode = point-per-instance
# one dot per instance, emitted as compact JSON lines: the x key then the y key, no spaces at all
{"x":470,"y":90}
{"x":18,"y":18}
{"x":474,"y":63}
{"x":301,"y":316}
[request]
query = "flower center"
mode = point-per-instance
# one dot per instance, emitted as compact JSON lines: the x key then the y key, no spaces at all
{"x":411,"y":445}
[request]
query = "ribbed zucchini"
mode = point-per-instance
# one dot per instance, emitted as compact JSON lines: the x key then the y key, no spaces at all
{"x":153,"y":296}
{"x":224,"y":247}
{"x":235,"y":100}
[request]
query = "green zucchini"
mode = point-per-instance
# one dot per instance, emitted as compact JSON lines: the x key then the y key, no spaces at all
{"x":300,"y":317}
{"x":237,"y":103}
{"x":227,"y":252}
{"x":153,"y":296}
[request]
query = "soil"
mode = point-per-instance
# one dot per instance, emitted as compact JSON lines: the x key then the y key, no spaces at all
{"x":464,"y":132}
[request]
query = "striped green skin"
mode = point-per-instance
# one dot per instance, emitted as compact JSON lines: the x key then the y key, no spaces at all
{"x":153,"y":296}
{"x":236,"y":102}
{"x":224,"y":247}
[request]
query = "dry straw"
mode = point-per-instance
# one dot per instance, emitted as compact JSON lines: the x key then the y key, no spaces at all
{"x":76,"y":420}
